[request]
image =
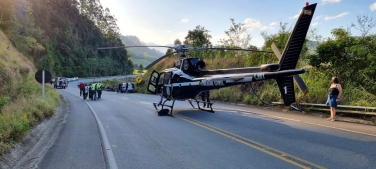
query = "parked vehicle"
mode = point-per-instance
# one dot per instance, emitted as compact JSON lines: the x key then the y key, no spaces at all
{"x":122,"y":87}
{"x":110,"y":88}
{"x":60,"y":82}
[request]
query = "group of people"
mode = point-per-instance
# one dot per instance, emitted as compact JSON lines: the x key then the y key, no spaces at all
{"x":91,"y":89}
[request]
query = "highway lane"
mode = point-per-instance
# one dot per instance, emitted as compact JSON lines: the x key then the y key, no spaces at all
{"x":233,"y":137}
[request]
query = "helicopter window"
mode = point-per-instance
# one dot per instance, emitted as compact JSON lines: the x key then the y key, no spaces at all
{"x":194,"y":60}
{"x":151,"y":88}
{"x":167,"y":78}
{"x":177,"y":64}
{"x":161,"y":77}
{"x":153,"y":78}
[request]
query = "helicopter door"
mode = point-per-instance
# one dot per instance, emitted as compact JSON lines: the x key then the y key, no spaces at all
{"x":153,"y":82}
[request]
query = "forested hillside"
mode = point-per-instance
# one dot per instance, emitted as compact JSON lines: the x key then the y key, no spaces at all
{"x":62,"y":36}
{"x":140,"y":56}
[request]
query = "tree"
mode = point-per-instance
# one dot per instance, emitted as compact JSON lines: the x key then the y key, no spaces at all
{"x":140,"y":69}
{"x":364,"y":24}
{"x":198,"y":37}
{"x":177,"y":42}
{"x":279,"y":39}
{"x":237,"y":36}
{"x":63,"y":35}
{"x":350,"y":58}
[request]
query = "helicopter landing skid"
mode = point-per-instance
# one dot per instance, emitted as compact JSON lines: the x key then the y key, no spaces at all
{"x":198,"y":105}
{"x":162,"y":111}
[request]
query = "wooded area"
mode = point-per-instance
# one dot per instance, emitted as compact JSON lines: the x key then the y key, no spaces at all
{"x":62,"y":36}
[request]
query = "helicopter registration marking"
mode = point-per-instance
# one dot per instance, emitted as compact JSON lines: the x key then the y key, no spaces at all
{"x":211,"y":83}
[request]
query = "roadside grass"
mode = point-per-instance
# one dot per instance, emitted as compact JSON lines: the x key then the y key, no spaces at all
{"x":21,"y":105}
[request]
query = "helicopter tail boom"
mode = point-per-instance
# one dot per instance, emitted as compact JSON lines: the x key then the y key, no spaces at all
{"x":295,"y":43}
{"x":291,"y":53}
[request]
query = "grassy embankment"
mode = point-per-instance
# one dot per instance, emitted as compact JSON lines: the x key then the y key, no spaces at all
{"x":317,"y":81}
{"x":21,"y":106}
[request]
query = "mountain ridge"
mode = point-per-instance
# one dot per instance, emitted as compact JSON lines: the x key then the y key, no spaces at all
{"x":142,"y":56}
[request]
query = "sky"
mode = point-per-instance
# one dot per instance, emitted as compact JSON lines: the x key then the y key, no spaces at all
{"x":163,"y":21}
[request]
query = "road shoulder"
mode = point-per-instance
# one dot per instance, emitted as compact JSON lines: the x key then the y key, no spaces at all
{"x":78,"y":144}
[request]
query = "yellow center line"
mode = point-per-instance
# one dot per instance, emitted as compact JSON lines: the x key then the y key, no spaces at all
{"x":284,"y":118}
{"x":254,"y":142}
{"x":248,"y":144}
{"x":233,"y":136}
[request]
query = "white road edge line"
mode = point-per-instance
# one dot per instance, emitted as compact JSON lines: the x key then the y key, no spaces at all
{"x":108,"y":153}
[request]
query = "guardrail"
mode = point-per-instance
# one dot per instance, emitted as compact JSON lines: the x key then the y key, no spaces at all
{"x":340,"y":108}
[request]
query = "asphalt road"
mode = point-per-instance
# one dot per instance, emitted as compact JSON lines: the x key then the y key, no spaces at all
{"x":233,"y":137}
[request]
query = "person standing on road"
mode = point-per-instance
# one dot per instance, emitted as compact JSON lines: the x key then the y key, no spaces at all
{"x":99,"y":87}
{"x":82,"y":87}
{"x":334,"y":94}
{"x":86,"y":90}
{"x":94,"y":90}
{"x":126,"y":87}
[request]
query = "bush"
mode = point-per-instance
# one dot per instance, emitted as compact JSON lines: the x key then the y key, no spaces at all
{"x":3,"y":101}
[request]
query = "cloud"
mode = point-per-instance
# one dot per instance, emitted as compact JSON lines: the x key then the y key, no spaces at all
{"x":273,"y":23}
{"x":335,"y":17}
{"x":295,"y":16}
{"x":373,"y":6}
{"x":318,"y":17}
{"x":251,"y":24}
{"x":264,"y":28}
{"x":331,"y":1}
{"x":315,"y":24}
{"x":185,"y":20}
{"x":268,"y":27}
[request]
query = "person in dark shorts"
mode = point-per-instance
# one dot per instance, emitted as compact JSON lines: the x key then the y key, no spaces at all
{"x":334,"y":94}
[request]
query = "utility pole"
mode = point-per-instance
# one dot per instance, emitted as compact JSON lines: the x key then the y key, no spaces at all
{"x":126,"y":69}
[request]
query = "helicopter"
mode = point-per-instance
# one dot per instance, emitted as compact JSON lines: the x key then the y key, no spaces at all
{"x":187,"y":78}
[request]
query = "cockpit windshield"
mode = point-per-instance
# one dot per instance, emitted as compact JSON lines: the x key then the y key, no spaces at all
{"x":194,"y":60}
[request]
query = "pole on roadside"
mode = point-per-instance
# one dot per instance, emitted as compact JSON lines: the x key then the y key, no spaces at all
{"x":43,"y":74}
{"x":126,"y":79}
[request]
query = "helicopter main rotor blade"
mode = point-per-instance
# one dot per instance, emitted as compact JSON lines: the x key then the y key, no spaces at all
{"x":250,"y":50}
{"x":159,"y":59}
{"x":298,"y":80}
{"x":117,"y":47}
